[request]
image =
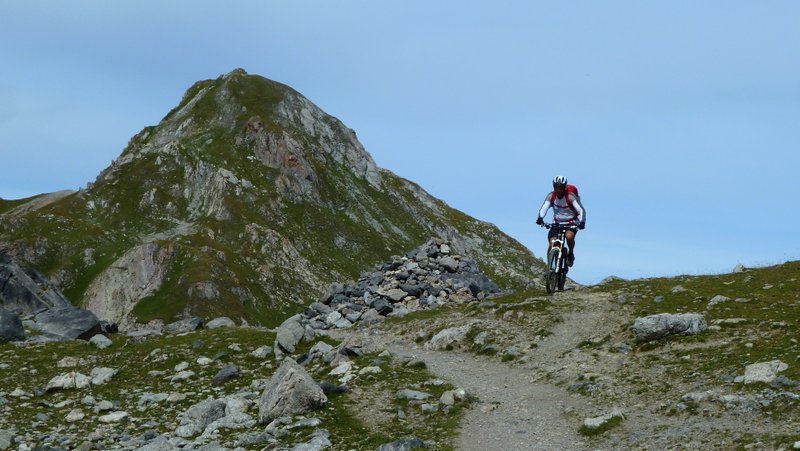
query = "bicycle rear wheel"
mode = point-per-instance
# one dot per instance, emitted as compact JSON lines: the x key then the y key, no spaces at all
{"x":551,"y":279}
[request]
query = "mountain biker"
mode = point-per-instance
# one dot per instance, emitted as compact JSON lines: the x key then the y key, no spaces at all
{"x":567,"y":210}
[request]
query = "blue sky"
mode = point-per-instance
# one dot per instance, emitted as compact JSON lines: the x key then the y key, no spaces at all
{"x":678,"y":120}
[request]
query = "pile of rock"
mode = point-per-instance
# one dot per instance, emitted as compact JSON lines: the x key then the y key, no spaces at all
{"x":426,"y":277}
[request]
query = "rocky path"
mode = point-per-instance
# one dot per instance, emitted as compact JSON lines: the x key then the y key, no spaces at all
{"x":517,"y":408}
{"x":512,"y":412}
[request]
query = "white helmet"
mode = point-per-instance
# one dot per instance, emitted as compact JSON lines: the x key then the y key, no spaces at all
{"x":560,"y":180}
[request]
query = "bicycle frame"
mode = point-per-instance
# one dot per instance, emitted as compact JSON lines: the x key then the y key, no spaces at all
{"x":556,"y":259}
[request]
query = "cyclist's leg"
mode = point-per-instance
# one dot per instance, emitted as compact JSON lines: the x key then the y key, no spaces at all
{"x":571,"y":241}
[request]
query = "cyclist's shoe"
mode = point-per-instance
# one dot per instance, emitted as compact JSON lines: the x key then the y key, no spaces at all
{"x":570,"y":259}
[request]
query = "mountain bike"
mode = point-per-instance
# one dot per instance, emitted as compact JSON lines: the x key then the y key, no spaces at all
{"x":557,"y":268}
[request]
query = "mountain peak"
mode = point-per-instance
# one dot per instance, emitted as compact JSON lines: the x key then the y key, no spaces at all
{"x":246,"y":199}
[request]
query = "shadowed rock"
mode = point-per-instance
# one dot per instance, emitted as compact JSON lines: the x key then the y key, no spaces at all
{"x":10,"y":327}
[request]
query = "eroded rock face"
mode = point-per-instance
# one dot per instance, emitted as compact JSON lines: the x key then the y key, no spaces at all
{"x":137,"y":274}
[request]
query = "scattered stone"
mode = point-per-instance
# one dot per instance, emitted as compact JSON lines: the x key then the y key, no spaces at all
{"x":184,"y":326}
{"x":328,"y":387}
{"x":6,"y":439}
{"x":182,"y":376}
{"x":68,"y":381}
{"x":69,"y":362}
{"x":412,"y":394}
{"x":113,"y":417}
{"x":448,"y":337}
{"x":718,"y":299}
{"x":204,"y":361}
{"x":658,"y":299}
{"x":289,"y":334}
{"x":319,"y":440}
{"x":678,"y":289}
{"x":102,"y":375}
{"x":598,"y":422}
{"x":226,"y":374}
{"x":291,"y":391}
{"x":763,"y":371}
{"x":75,"y":415}
{"x":104,"y":406}
{"x":738,"y":268}
{"x":658,"y":326}
{"x":181,"y":367}
{"x":405,"y":444}
{"x":220,"y":322}
{"x":261,"y":353}
{"x":101,"y":341}
{"x":200,"y":415}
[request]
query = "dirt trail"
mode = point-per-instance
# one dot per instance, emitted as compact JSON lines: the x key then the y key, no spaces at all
{"x":517,"y":408}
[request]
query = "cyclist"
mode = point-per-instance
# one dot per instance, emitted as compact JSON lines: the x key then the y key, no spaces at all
{"x":567,"y":210}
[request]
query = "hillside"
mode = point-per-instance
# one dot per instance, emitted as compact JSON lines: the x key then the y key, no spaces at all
{"x":529,"y":371}
{"x":246,"y":200}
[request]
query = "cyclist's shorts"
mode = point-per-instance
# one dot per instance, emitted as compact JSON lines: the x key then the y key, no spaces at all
{"x":553,"y":233}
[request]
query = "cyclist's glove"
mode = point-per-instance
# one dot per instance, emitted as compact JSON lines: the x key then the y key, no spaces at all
{"x":582,"y":225}
{"x":539,"y":221}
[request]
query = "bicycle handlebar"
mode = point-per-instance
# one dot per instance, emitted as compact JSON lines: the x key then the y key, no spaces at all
{"x":563,"y":226}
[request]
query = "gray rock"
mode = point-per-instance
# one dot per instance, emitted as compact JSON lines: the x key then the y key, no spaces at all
{"x":763,"y":372}
{"x":101,"y":341}
{"x":223,"y":321}
{"x":200,"y":415}
{"x":396,"y":295}
{"x":382,"y":306}
{"x":738,"y":268}
{"x":658,"y":299}
{"x":6,"y":439}
{"x":68,"y":381}
{"x":597,"y":422}
{"x":113,"y":417}
{"x":230,"y":372}
{"x":319,"y":440}
{"x":102,"y":375}
{"x":718,"y":299}
{"x":291,"y":391}
{"x":184,"y":325}
{"x":405,"y":444}
{"x":678,"y":289}
{"x":68,"y":323}
{"x":449,"y":263}
{"x":658,"y":326}
{"x":26,"y":291}
{"x":10,"y":327}
{"x":447,"y":337}
{"x":289,"y":334}
{"x":412,"y":394}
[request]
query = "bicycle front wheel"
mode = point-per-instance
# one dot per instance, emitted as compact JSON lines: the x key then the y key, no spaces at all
{"x":551,"y":280}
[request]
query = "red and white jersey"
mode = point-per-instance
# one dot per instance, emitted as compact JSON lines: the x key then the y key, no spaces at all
{"x":562,"y":212}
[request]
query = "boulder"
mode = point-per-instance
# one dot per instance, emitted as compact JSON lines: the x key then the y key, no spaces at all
{"x":101,"y":341}
{"x":763,"y":372}
{"x":68,"y":381}
{"x":10,"y":326}
{"x":289,"y":333}
{"x":220,"y":322}
{"x":68,"y":323}
{"x":658,"y":326}
{"x":291,"y":391}
{"x":24,"y":290}
{"x":200,"y":415}
{"x":184,"y":325}
{"x":448,"y":337}
{"x":230,"y":372}
{"x":718,"y":299}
